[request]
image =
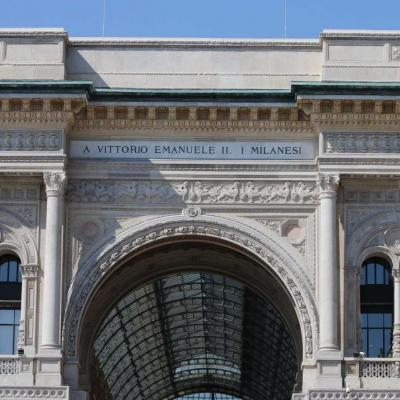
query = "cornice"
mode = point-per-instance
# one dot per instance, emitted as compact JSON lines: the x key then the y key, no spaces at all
{"x":195,"y":43}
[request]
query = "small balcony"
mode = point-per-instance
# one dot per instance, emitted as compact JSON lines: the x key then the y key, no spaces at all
{"x":372,"y":373}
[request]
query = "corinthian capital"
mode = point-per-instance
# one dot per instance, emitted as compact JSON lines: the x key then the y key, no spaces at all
{"x":55,"y":182}
{"x":328,"y":184}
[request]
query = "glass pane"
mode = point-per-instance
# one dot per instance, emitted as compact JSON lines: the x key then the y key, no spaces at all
{"x":364,"y":333}
{"x":387,"y":277}
{"x":380,"y":274}
{"x":363,"y":276}
{"x":375,"y":345}
{"x":7,"y":317}
{"x":388,"y":319}
{"x":3,"y":272}
{"x":388,"y":342}
{"x":364,"y":320}
{"x":6,"y":342}
{"x":371,"y":274}
{"x":12,"y":271}
{"x":19,"y":275}
{"x":375,"y":320}
{"x":17,"y":316}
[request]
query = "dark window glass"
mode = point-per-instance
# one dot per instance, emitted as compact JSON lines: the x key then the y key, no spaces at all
{"x":376,"y":294}
{"x":10,"y":303}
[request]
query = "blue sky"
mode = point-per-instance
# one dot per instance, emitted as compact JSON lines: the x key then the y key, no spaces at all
{"x":201,"y":18}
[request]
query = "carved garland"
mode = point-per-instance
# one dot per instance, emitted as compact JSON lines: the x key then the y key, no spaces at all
{"x":187,"y":228}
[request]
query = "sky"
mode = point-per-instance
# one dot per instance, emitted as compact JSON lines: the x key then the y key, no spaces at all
{"x":201,"y":18}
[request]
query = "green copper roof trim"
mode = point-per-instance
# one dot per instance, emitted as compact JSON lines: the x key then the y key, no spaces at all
{"x":346,"y":88}
{"x":288,"y":96}
{"x":200,"y":95}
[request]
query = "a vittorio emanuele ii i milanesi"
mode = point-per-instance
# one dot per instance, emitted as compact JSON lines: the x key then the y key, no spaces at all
{"x":199,"y":219}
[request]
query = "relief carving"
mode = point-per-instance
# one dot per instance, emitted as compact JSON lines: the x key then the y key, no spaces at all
{"x":22,"y":140}
{"x":193,"y":192}
{"x":335,"y":143}
{"x":396,"y":53}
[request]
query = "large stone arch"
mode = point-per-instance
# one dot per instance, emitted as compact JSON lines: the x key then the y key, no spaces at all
{"x":274,"y":256}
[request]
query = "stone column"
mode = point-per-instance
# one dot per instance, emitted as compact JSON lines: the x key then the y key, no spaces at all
{"x":54,"y":182}
{"x":327,"y":264}
{"x":396,"y":313}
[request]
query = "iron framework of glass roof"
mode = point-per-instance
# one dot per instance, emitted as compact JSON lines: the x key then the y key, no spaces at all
{"x":196,"y":335}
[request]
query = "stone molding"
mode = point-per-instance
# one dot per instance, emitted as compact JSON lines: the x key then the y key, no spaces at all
{"x":34,"y":392}
{"x":17,"y":239}
{"x":353,"y":394}
{"x":277,"y":258}
{"x":299,"y":127}
{"x":190,"y":43}
{"x":360,"y":143}
{"x":55,"y":183}
{"x":31,"y":140}
{"x":182,"y":192}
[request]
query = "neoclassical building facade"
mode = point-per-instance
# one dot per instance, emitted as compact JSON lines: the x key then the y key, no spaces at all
{"x":199,"y":219}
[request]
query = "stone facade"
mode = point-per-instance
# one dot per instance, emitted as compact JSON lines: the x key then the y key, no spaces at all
{"x":286,"y":150}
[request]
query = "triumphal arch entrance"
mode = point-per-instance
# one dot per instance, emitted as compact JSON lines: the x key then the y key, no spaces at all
{"x":199,"y":219}
{"x":191,"y":318}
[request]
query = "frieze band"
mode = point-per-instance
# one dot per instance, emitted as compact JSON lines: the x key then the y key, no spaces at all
{"x":237,"y":192}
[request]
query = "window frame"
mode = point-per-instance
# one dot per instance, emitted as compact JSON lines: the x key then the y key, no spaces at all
{"x":11,"y":295}
{"x":376,"y":300}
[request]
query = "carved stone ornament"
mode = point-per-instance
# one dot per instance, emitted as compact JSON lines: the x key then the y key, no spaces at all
{"x":396,"y":334}
{"x":193,"y":192}
{"x":23,"y":140}
{"x":29,"y":270}
{"x":353,"y":394}
{"x":192,"y":211}
{"x":396,"y":53}
{"x":34,"y":392}
{"x":55,"y":182}
{"x":328,"y":184}
{"x":337,"y":143}
{"x":392,"y":237}
{"x":91,"y":275}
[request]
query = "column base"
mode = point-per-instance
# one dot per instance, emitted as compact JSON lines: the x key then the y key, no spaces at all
{"x":49,"y":365}
{"x":329,"y":369}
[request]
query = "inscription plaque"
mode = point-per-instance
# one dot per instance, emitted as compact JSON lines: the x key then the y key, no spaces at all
{"x":193,"y":149}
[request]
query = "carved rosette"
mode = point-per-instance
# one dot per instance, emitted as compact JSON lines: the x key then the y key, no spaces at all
{"x":327,"y":185}
{"x":55,"y":183}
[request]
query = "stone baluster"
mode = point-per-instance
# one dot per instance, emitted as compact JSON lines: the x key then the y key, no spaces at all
{"x":396,"y":314}
{"x":55,"y":182}
{"x":327,"y":263}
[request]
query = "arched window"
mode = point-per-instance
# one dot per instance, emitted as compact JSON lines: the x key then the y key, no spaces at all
{"x":376,"y":295}
{"x":10,"y":303}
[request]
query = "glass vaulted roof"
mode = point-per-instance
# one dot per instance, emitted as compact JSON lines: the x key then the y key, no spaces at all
{"x":195,"y":336}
